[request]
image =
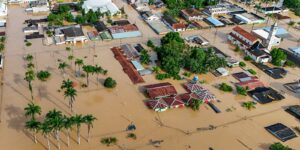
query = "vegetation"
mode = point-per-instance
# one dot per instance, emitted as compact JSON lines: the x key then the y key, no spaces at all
{"x":241,"y":90}
{"x":242,"y":64}
{"x":294,"y":5}
{"x":279,"y":146}
{"x":79,"y":63}
{"x":150,"y":44}
{"x":247,"y":58}
{"x":291,"y":24}
{"x":144,"y":57}
{"x":225,"y":87}
{"x":131,"y":135}
{"x":252,"y":71}
{"x":29,"y":77}
{"x":278,"y":57}
{"x":187,"y":74}
{"x":32,"y":110}
{"x":249,"y":105}
{"x":88,"y":69}
{"x":156,"y":69}
{"x":88,"y":120}
{"x":195,"y":104}
{"x":162,"y":76}
{"x":109,"y":141}
{"x":43,"y":75}
{"x":290,"y":64}
{"x":237,"y":48}
{"x":28,"y":44}
{"x":110,"y":83}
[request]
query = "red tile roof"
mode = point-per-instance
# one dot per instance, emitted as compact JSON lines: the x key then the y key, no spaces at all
{"x":252,"y":84}
{"x":239,"y":39}
{"x":160,"y":90}
{"x":245,"y":34}
{"x":178,"y":26}
{"x":173,"y":101}
{"x":156,"y":104}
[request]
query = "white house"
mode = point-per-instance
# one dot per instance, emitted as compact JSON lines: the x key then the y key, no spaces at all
{"x":269,"y":37}
{"x":3,"y":9}
{"x":69,"y":34}
{"x":191,"y":14}
{"x":215,"y":10}
{"x":102,"y":5}
{"x":149,"y":16}
{"x":38,"y":6}
{"x":258,"y":53}
{"x":242,"y":38}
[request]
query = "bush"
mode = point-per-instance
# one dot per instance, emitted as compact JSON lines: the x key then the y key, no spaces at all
{"x":279,"y":146}
{"x":28,"y":44}
{"x":162,"y":76}
{"x":225,"y":87}
{"x":252,"y":71}
{"x":110,"y":83}
{"x":242,"y":64}
{"x":150,"y":44}
{"x":237,"y":48}
{"x":290,"y":64}
{"x":187,"y":74}
{"x":247,"y":58}
{"x":241,"y":90}
{"x":43,"y":75}
{"x":109,"y":141}
{"x":131,"y":135}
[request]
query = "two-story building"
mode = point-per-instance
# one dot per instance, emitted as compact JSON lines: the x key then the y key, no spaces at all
{"x":191,"y":14}
{"x":173,"y":23}
{"x":242,"y":38}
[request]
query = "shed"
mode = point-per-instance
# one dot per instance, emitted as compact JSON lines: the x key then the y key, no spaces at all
{"x":222,"y":71}
{"x":281,"y":132}
{"x":137,"y":65}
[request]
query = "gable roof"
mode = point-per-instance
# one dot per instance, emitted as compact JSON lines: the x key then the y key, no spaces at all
{"x":245,"y":34}
{"x":192,"y":12}
{"x":73,"y":31}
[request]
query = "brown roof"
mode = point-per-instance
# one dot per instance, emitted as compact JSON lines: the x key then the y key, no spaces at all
{"x":178,"y":26}
{"x":173,"y":101}
{"x":160,"y":90}
{"x":252,"y":84}
{"x":245,"y":34}
{"x":240,"y":40}
{"x":191,"y":12}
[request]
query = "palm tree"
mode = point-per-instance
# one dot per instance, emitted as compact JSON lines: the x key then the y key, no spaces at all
{"x":249,"y":105}
{"x":68,"y":49}
{"x":88,"y":69}
{"x":67,"y":124}
{"x":71,"y":93}
{"x":29,"y":77}
{"x":29,"y":57}
{"x":70,"y":58}
{"x":156,"y":69}
{"x":99,"y":70}
{"x":30,"y":65}
{"x":2,"y":47}
{"x":66,"y":84}
{"x":31,"y":110}
{"x":79,"y":63}
{"x":77,"y":119}
{"x":54,"y":118}
{"x":33,"y":126}
{"x":291,"y":24}
{"x":195,"y":104}
{"x":62,"y":66}
{"x":88,"y":120}
{"x":46,"y":130}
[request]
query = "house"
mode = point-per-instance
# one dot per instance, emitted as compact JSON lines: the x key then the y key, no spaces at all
{"x":32,"y":29}
{"x":215,"y":10}
{"x":126,"y":31}
{"x":173,"y":23}
{"x":158,"y":27}
{"x":141,"y":6}
{"x":243,"y":77}
{"x":149,"y":16}
{"x":258,"y":54}
{"x":121,"y":23}
{"x":270,"y":10}
{"x":231,"y":62}
{"x":3,"y":9}
{"x":250,"y":84}
{"x":191,"y":14}
{"x":265,"y":95}
{"x":188,"y":97}
{"x":173,"y":101}
{"x":249,"y":18}
{"x":159,"y":90}
{"x":215,"y":22}
{"x":38,"y":6}
{"x":294,"y":110}
{"x":281,"y":132}
{"x":129,"y":52}
{"x":93,"y":35}
{"x":104,"y":6}
{"x":242,"y":38}
{"x":202,"y":93}
{"x":293,"y":86}
{"x":100,"y":26}
{"x":157,"y":105}
{"x":222,"y":71}
{"x":69,"y":34}
{"x":137,"y":65}
{"x":276,"y":72}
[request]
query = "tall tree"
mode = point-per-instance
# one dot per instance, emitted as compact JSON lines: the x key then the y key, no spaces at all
{"x":78,"y":120}
{"x":43,"y":75}
{"x":67,"y":124}
{"x":66,"y":84}
{"x":71,"y":93}
{"x":278,"y":57}
{"x":33,"y":126}
{"x":29,"y":77}
{"x":32,"y":110}
{"x":46,"y":130}
{"x":89,"y":120}
{"x":99,"y":70}
{"x":54,"y":119}
{"x":79,"y":63}
{"x":62,"y":66}
{"x":88,"y":69}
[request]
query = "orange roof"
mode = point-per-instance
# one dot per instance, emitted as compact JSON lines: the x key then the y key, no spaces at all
{"x":245,"y":34}
{"x":178,"y":26}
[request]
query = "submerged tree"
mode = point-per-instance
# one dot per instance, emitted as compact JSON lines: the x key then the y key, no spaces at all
{"x":29,"y":77}
{"x":33,"y":126}
{"x":88,"y":69}
{"x":71,"y":93}
{"x":32,"y":110}
{"x":89,"y":120}
{"x":78,"y":120}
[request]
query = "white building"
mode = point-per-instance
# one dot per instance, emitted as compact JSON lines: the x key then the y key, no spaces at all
{"x":3,"y":9}
{"x":69,"y":34}
{"x":102,"y":5}
{"x":191,"y":14}
{"x":242,"y":38}
{"x":149,"y":16}
{"x":215,"y":10}
{"x":38,"y":6}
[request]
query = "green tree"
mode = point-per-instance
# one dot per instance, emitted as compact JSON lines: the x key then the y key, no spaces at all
{"x":54,"y":120}
{"x":291,"y":24}
{"x":33,"y":126}
{"x":46,"y":131}
{"x":279,"y":146}
{"x":195,"y":104}
{"x":67,"y":124}
{"x":43,"y":75}
{"x":278,"y":57}
{"x":78,"y":120}
{"x":29,"y":77}
{"x":109,"y":141}
{"x":150,"y":44}
{"x":99,"y":70}
{"x":241,"y":90}
{"x":144,"y":57}
{"x":249,"y":105}
{"x":156,"y":69}
{"x":225,"y":87}
{"x":30,"y":66}
{"x":66,"y":84}
{"x":29,"y":58}
{"x":32,"y":110}
{"x":2,"y":46}
{"x":110,"y":83}
{"x":242,"y":64}
{"x":89,"y":120}
{"x":70,"y":93}
{"x":62,"y":66}
{"x":88,"y":69}
{"x":80,"y":19}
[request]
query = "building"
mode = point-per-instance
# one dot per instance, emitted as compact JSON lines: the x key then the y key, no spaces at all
{"x":202,"y":93}
{"x":129,"y":52}
{"x":295,"y":51}
{"x":258,"y":53}
{"x":159,"y":90}
{"x":191,"y":14}
{"x":243,"y":77}
{"x":104,"y":6}
{"x":38,"y":6}
{"x":32,"y":29}
{"x":294,"y":110}
{"x":281,"y":132}
{"x":242,"y":38}
{"x":3,"y":9}
{"x":100,"y":26}
{"x":127,"y":31}
{"x":149,"y":16}
{"x":293,"y":86}
{"x":250,"y":84}
{"x":265,"y":95}
{"x":69,"y":34}
{"x":173,"y":101}
{"x":215,"y":22}
{"x":173,"y":23}
{"x":215,"y":10}
{"x":158,"y":27}
{"x":248,"y":18}
{"x":222,"y":71}
{"x":270,"y":10}
{"x":157,"y":105}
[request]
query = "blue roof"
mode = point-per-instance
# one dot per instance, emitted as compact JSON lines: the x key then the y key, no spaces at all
{"x":215,"y":21}
{"x":295,"y":49}
{"x":280,"y":31}
{"x":137,"y":65}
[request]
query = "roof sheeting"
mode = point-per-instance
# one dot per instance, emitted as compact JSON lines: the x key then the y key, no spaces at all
{"x":215,"y":21}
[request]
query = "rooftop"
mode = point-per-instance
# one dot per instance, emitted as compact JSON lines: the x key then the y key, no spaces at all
{"x":73,"y":31}
{"x":125,"y":28}
{"x":160,"y":90}
{"x":245,"y":34}
{"x":281,"y":132}
{"x":294,"y":110}
{"x":265,"y":95}
{"x":191,"y":12}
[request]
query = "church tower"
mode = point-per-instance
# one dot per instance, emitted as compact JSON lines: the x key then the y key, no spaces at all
{"x":271,"y":37}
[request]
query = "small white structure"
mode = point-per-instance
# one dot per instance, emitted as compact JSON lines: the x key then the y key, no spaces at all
{"x":191,"y":14}
{"x":149,"y":16}
{"x":3,"y":9}
{"x":271,"y":10}
{"x":102,"y":5}
{"x":215,"y":10}
{"x":30,"y":30}
{"x":222,"y":71}
{"x":38,"y":6}
{"x":69,"y":34}
{"x":1,"y":61}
